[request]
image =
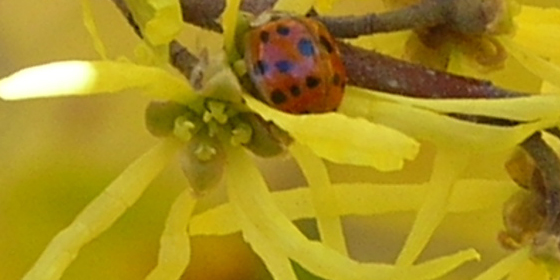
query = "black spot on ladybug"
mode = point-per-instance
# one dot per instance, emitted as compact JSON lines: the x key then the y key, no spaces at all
{"x":305,"y":112}
{"x":312,"y":82}
{"x":264,"y":36}
{"x":284,"y":66}
{"x":282,"y":30}
{"x":261,"y":67}
{"x":278,"y":97}
{"x":305,"y":47}
{"x":325,"y":42}
{"x":336,"y":79}
{"x":295,"y":91}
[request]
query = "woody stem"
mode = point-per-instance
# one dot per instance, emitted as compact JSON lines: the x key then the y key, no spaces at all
{"x":465,"y":16}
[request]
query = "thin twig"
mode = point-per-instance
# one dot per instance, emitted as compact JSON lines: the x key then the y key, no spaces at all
{"x":464,"y":16}
{"x":365,"y":68}
{"x":204,"y":13}
{"x":424,"y":14}
{"x":372,"y":70}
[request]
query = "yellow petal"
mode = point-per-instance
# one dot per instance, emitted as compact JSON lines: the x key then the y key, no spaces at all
{"x":387,"y":43}
{"x":505,"y":266}
{"x":540,"y":67}
{"x":442,"y":130}
{"x":342,"y":139}
{"x":324,"y":198}
{"x":229,"y":24}
{"x":528,"y":108}
{"x":84,"y":78}
{"x":89,"y":22}
{"x":364,"y":199}
{"x":538,"y":15}
{"x":159,"y":20}
{"x":247,"y":190}
{"x":299,"y":7}
{"x":102,"y":212}
{"x":175,"y":248}
{"x":530,"y":269}
{"x":542,"y":39}
{"x":449,"y":164}
{"x":276,"y":261}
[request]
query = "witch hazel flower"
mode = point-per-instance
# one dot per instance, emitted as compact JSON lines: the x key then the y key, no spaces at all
{"x":215,"y":127}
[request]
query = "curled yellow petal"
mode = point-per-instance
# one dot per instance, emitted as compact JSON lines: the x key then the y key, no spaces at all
{"x":276,"y":261}
{"x":528,"y":108}
{"x":175,"y":247}
{"x":447,"y":167}
{"x":364,"y":199}
{"x":440,"y":129}
{"x":160,"y":20}
{"x":229,"y":24}
{"x":89,"y":23}
{"x":342,"y":139}
{"x":102,"y":212}
{"x":323,"y":196}
{"x":249,"y":193}
{"x":537,"y":65}
{"x":505,"y":266}
{"x":83,"y":78}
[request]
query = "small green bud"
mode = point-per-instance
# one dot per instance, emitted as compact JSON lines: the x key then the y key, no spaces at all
{"x":241,"y":134}
{"x":183,"y":128}
{"x":216,"y":110}
{"x":204,"y":151}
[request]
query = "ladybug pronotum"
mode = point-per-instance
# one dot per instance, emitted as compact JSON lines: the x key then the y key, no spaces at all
{"x":295,"y":65}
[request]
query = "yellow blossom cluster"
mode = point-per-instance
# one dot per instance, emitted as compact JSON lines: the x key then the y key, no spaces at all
{"x":373,"y":130}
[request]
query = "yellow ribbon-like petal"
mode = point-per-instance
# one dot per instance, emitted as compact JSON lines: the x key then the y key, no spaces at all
{"x":84,"y":78}
{"x":342,"y":139}
{"x":294,"y":6}
{"x":528,"y":108}
{"x":175,"y":248}
{"x":363,"y":199}
{"x":505,"y":266}
{"x":440,"y":129}
{"x":537,"y":65}
{"x":229,"y":24}
{"x":248,"y":192}
{"x":160,"y":20}
{"x":89,"y":23}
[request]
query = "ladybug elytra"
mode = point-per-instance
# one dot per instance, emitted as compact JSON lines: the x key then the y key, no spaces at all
{"x":295,"y":65}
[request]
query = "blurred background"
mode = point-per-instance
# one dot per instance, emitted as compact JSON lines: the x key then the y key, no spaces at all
{"x":57,"y":154}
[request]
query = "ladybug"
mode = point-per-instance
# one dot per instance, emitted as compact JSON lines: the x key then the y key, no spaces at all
{"x":295,"y":65}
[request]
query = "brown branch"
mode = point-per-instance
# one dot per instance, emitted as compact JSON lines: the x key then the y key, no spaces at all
{"x":365,"y":68}
{"x":204,"y":13}
{"x":424,"y":14}
{"x":372,"y":70}
{"x":464,"y":16}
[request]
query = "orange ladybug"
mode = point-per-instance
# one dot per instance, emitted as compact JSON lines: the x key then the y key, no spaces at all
{"x":295,"y":65}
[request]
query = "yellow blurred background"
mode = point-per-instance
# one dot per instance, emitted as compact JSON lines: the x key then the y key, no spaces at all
{"x":57,"y":154}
